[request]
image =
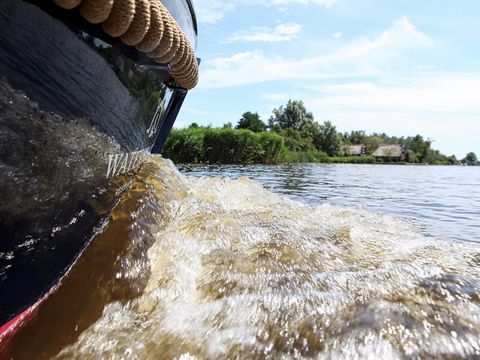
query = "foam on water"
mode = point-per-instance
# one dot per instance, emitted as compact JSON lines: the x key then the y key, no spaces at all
{"x":240,"y":272}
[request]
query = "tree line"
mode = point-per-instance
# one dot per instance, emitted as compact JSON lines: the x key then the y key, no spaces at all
{"x":292,"y":135}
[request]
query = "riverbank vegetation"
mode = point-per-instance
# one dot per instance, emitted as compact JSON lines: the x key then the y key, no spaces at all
{"x":292,"y":136}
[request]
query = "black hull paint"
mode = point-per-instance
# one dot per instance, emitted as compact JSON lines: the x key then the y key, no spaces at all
{"x":75,"y":112}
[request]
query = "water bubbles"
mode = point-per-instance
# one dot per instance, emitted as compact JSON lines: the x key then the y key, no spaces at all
{"x":239,"y":272}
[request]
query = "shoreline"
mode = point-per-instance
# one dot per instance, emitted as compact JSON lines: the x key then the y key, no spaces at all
{"x":323,"y":163}
{"x":205,"y":145}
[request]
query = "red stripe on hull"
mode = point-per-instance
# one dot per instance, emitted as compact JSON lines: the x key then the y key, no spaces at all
{"x":8,"y":330}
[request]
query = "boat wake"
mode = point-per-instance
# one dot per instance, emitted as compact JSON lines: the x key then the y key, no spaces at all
{"x":219,"y":268}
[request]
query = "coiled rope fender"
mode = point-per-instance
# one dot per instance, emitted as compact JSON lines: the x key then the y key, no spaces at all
{"x":147,"y":25}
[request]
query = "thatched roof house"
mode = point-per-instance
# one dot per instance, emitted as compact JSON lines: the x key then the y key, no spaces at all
{"x":354,"y":150}
{"x":394,"y":152}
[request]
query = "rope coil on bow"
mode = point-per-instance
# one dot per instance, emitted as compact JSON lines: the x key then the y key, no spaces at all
{"x":147,"y":25}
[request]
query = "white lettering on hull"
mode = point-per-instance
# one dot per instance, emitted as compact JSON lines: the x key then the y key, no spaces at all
{"x":124,"y":162}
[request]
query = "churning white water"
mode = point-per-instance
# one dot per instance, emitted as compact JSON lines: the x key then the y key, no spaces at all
{"x":236,"y":271}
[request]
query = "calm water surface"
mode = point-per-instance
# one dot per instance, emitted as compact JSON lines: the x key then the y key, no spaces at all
{"x":442,"y":201}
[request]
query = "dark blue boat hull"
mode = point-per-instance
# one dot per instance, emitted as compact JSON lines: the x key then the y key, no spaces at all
{"x":77,"y":110}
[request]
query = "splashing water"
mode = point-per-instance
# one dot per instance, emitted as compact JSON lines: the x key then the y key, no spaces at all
{"x":231,"y":270}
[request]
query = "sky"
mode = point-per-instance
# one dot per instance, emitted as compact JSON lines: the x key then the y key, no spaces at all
{"x":403,"y":67}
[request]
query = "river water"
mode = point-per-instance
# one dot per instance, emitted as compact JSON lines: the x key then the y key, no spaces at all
{"x":441,"y":201}
{"x":324,"y":262}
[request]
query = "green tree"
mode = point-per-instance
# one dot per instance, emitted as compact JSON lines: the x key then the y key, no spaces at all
{"x":411,"y":156}
{"x":419,"y":146}
{"x":452,"y":160}
{"x":471,"y":159}
{"x":228,"y":125}
{"x":327,"y":139}
{"x":372,"y":142}
{"x":294,"y":115}
{"x":434,"y":157}
{"x":297,"y":140}
{"x":251,"y":121}
{"x":355,"y":137}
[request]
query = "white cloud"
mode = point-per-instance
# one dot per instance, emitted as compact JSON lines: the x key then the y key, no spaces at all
{"x":325,"y":3}
{"x":282,"y":32}
{"x":433,"y":93}
{"x":278,"y":97}
{"x":429,"y":95}
{"x":402,"y":36}
{"x":212,"y":11}
{"x":364,"y":57}
{"x":337,"y":35}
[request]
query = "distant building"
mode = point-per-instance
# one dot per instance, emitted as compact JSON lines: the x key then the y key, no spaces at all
{"x":354,"y":150}
{"x":390,"y":153}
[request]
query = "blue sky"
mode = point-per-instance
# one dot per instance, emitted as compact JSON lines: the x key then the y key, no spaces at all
{"x":402,"y":67}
